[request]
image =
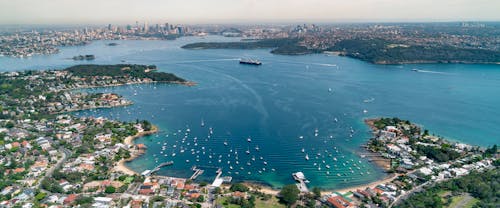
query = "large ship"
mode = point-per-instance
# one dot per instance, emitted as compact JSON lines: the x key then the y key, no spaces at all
{"x":250,"y":62}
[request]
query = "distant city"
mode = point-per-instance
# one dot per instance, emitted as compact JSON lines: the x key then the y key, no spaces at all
{"x":462,"y":35}
{"x":53,"y":156}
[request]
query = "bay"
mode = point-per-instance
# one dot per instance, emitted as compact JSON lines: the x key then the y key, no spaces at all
{"x":276,"y":104}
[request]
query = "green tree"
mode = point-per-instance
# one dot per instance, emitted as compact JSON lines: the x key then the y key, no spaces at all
{"x":110,"y":189}
{"x":317,"y":192}
{"x":289,"y":194}
{"x":239,"y":187}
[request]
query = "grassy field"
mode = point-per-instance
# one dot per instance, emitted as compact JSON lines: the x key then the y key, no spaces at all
{"x":463,"y":201}
{"x":271,"y":203}
{"x":225,"y":199}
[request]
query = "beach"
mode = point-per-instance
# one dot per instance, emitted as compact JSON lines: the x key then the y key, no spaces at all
{"x":129,"y":141}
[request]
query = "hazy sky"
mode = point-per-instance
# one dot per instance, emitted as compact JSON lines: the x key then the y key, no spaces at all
{"x":234,"y":11}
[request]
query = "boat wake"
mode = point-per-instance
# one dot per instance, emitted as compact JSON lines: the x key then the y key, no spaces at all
{"x":430,"y":72}
{"x":205,"y":60}
{"x":329,"y":65}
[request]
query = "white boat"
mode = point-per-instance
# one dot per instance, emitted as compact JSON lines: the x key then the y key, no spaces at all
{"x":257,"y":148}
{"x":303,"y":150}
{"x":249,"y":139}
{"x":202,"y":123}
{"x":307,"y":157}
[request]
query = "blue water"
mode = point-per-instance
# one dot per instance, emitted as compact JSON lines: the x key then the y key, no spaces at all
{"x":285,"y":98}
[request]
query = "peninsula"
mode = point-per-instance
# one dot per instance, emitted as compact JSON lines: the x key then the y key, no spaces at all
{"x":376,"y":51}
{"x":279,"y":46}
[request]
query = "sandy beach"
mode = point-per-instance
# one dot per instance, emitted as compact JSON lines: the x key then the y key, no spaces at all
{"x":268,"y":190}
{"x":129,"y":141}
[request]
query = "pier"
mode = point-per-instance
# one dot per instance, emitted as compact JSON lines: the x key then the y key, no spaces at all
{"x":219,"y":180}
{"x":301,"y":181}
{"x":197,"y":172}
{"x":157,"y":168}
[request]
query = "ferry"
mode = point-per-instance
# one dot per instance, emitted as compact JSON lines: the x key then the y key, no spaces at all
{"x":250,"y":62}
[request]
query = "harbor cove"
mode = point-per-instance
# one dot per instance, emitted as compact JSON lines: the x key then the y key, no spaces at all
{"x":292,"y":113}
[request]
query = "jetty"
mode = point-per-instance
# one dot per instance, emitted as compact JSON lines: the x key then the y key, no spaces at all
{"x":197,"y":172}
{"x":219,"y":180}
{"x":157,"y":168}
{"x":301,"y":181}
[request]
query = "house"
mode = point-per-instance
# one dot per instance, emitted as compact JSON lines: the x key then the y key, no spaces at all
{"x":239,"y":195}
{"x":102,"y":202}
{"x":136,"y":204}
{"x":339,"y":202}
{"x":70,"y":199}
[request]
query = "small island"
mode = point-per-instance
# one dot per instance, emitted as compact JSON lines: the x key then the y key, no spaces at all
{"x":84,"y":57}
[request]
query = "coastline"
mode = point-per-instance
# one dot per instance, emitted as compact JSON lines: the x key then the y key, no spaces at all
{"x":378,"y":160}
{"x":120,"y":166}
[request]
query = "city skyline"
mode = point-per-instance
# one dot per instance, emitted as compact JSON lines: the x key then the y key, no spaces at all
{"x":244,"y":11}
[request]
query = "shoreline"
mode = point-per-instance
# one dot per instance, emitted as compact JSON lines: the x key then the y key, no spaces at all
{"x":379,"y":161}
{"x":256,"y":186}
{"x":270,"y":190}
{"x":120,"y":166}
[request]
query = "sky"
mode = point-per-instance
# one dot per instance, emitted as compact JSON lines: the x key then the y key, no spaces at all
{"x":243,"y":11}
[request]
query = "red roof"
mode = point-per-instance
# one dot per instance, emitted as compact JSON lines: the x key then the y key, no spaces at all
{"x":70,"y":199}
{"x":146,"y":191}
{"x":338,"y":202}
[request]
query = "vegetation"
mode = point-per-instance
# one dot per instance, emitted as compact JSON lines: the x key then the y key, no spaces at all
{"x":123,"y":70}
{"x":110,"y":190}
{"x":483,"y":186}
{"x":239,"y":187}
{"x":381,"y":51}
{"x":439,"y":154}
{"x":289,"y":194}
{"x":284,"y":46}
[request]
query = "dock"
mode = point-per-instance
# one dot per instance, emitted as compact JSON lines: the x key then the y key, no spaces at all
{"x":301,"y":181}
{"x":197,"y":172}
{"x":157,"y":168}
{"x":219,"y":180}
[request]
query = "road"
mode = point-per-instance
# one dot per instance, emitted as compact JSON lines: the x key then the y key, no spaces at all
{"x":409,"y":193}
{"x":65,"y":154}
